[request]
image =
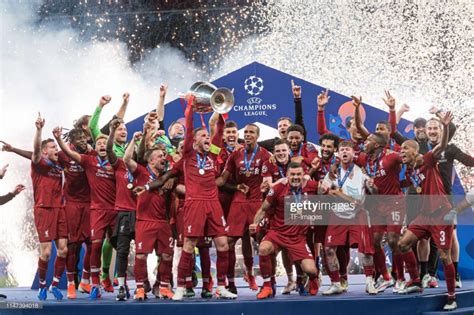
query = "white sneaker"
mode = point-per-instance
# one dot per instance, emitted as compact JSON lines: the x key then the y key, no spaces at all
{"x":426,"y":279}
{"x":370,"y":286}
{"x":179,"y":294}
{"x":450,"y":306}
{"x":399,"y":285}
{"x":223,"y":293}
{"x":385,"y":285}
{"x":290,"y":286}
{"x":335,"y":288}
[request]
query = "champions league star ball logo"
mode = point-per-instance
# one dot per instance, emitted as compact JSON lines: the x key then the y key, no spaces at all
{"x":253,"y":85}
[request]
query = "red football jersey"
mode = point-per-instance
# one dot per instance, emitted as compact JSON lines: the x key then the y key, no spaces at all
{"x":235,"y":166}
{"x":393,"y":145}
{"x":151,"y":205}
{"x":308,"y":152}
{"x":276,"y":198}
{"x":125,"y":199}
{"x":275,"y":170}
{"x":427,"y":176}
{"x":101,"y":178}
{"x":76,"y":186}
{"x":47,"y":184}
{"x":387,"y":167}
{"x":324,"y":167}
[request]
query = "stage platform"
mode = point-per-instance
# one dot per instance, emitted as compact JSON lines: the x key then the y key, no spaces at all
{"x":354,"y":302}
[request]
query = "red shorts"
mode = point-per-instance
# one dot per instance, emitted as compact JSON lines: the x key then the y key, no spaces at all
{"x":153,"y":235}
{"x":203,"y":218}
{"x":241,"y":215}
{"x":423,"y":227}
{"x":225,"y":199}
{"x":339,"y":233}
{"x":389,"y":215}
{"x":295,"y":245}
{"x":319,"y":233}
{"x":50,"y":223}
{"x":102,"y":221}
{"x":78,"y":221}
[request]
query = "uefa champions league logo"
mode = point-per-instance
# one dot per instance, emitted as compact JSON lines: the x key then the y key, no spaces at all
{"x":253,"y":85}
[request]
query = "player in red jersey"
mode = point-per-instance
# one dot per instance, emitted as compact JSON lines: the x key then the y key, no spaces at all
{"x":152,"y":231}
{"x":77,"y":204}
{"x":245,"y":167}
{"x":77,"y":197}
{"x":273,"y":171}
{"x":49,"y":213}
{"x":355,"y":136}
{"x":388,"y":213}
{"x":385,"y":128}
{"x":424,"y":174}
{"x":201,"y":208}
{"x":101,"y":177}
{"x":280,"y":235}
{"x":300,"y":151}
{"x":349,"y":227}
{"x":125,"y":205}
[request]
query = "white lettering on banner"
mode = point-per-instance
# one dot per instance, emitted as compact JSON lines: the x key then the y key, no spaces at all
{"x":253,"y":86}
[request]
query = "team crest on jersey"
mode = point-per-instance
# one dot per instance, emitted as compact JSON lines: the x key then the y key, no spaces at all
{"x":264,"y":169}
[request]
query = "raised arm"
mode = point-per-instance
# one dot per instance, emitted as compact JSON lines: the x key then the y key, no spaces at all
{"x":440,"y":147}
{"x":128,"y":156}
{"x":216,"y":140}
{"x":111,"y":156}
{"x":296,"y":89}
{"x":213,"y":123}
{"x":462,"y":157}
{"x":57,"y":132}
{"x":160,"y":107}
{"x":94,"y":121}
{"x":36,"y":156}
{"x":322,"y":100}
{"x":123,"y":108}
{"x":389,"y":100}
{"x":23,"y":153}
{"x":188,"y":136}
{"x":404,"y":109}
{"x":439,"y":113}
{"x":357,"y":117}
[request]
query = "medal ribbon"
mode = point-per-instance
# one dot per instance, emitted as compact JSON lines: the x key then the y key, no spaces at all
{"x":247,"y":163}
{"x":53,"y":165}
{"x":349,"y":171}
{"x":102,"y":163}
{"x":297,"y":194}
{"x":152,"y":175}
{"x":201,"y":162}
{"x":376,"y":164}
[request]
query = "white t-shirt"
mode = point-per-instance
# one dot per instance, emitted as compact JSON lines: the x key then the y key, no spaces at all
{"x":354,"y":186}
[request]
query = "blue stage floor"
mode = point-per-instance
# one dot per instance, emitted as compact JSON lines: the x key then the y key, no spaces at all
{"x":355,"y":301}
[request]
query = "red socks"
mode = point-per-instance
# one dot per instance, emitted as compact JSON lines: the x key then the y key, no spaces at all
{"x":411,"y":265}
{"x":222,"y":265}
{"x":398,"y":266}
{"x":59,"y":266}
{"x":96,"y":250}
{"x":450,"y":275}
{"x":42,"y":270}
{"x":379,"y":261}
{"x":164,"y":269}
{"x":140,"y":271}
{"x":183,"y":267}
{"x":205,"y":263}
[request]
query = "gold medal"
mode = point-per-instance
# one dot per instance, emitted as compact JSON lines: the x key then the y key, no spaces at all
{"x":201,"y":171}
{"x":130,"y":186}
{"x":419,"y":190}
{"x":247,"y":173}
